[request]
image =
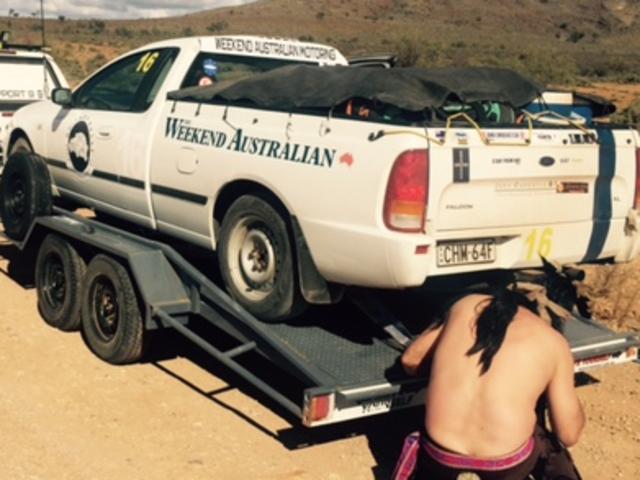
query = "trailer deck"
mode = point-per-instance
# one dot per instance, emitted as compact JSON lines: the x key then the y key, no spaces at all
{"x":348,"y":366}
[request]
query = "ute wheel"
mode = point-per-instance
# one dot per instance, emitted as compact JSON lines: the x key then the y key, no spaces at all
{"x":256,"y":260}
{"x":59,"y":276}
{"x":25,"y":193}
{"x":111,"y":319}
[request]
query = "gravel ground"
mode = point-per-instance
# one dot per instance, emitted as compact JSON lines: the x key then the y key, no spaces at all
{"x":67,"y":415}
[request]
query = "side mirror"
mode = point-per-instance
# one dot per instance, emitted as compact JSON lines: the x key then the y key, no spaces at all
{"x":61,"y":96}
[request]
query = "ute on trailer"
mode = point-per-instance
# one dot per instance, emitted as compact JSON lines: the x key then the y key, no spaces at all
{"x":306,"y":176}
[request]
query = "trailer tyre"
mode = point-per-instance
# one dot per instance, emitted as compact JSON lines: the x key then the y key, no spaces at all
{"x":256,"y":260}
{"x":59,"y":276}
{"x":111,"y":320}
{"x":25,"y":193}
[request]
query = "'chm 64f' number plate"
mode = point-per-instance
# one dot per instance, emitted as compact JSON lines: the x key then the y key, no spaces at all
{"x":466,"y":252}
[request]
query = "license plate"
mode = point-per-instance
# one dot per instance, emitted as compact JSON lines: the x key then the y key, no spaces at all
{"x":468,"y":252}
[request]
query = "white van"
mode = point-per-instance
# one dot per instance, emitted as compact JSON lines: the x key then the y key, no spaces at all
{"x":27,"y":75}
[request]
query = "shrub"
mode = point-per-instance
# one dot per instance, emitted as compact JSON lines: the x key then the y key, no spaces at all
{"x":216,"y":27}
{"x":408,"y":52}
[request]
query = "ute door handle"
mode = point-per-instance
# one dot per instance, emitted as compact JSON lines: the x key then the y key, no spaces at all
{"x":105,"y":132}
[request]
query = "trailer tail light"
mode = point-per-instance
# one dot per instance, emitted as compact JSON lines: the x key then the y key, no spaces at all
{"x":7,"y":114}
{"x":636,"y":196}
{"x":318,"y":408}
{"x":405,"y":203}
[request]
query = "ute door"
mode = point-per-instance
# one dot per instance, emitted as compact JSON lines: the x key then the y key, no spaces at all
{"x":100,"y":145}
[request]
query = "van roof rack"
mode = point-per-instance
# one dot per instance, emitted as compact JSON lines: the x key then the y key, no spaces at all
{"x":5,"y":45}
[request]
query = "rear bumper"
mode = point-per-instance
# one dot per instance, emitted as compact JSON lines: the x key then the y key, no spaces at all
{"x":379,"y":258}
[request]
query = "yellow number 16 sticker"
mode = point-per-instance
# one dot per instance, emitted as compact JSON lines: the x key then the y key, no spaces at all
{"x":539,"y":243}
{"x":147,"y":62}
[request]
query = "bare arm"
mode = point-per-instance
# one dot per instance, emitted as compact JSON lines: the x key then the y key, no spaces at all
{"x":567,"y":415}
{"x":418,"y":353}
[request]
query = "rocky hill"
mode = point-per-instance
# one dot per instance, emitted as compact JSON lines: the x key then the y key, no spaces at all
{"x":559,"y":41}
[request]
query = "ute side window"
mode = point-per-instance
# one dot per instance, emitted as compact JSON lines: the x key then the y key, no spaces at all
{"x":213,"y":68}
{"x":129,"y":85}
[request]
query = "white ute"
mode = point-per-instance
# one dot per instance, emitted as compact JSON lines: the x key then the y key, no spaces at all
{"x":301,"y":201}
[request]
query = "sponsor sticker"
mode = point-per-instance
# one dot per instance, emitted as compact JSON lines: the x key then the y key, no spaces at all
{"x":506,"y":161}
{"x":572,"y":187}
{"x":276,"y":47}
{"x":182,"y":130}
{"x":507,"y":186}
{"x":383,"y":404}
{"x":582,"y":138}
{"x":79,"y":145}
{"x":461,"y":165}
{"x":346,"y":159}
{"x":547,"y":161}
{"x":21,"y":94}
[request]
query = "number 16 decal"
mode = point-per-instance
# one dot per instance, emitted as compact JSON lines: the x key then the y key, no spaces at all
{"x":539,"y":243}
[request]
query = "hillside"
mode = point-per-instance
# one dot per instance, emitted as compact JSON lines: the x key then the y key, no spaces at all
{"x":559,"y":41}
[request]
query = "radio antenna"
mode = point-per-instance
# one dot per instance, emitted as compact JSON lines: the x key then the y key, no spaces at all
{"x":42,"y":20}
{"x":45,"y":84}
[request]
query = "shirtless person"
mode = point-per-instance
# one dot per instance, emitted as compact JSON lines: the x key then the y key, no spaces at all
{"x":491,"y":360}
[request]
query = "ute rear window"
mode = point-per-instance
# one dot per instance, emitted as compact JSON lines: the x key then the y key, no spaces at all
{"x":209,"y":68}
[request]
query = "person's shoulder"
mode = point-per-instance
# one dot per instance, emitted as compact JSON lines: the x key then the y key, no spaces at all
{"x":472,"y":303}
{"x":541,"y":330}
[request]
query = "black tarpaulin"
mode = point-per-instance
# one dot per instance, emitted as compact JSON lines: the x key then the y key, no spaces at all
{"x":413,"y":89}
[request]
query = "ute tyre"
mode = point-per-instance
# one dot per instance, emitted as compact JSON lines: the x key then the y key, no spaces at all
{"x":21,"y":145}
{"x":59,"y":277}
{"x":257,"y":262}
{"x":25,"y":193}
{"x":111,"y":320}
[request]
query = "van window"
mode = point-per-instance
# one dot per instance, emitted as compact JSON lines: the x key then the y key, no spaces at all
{"x":24,"y":80}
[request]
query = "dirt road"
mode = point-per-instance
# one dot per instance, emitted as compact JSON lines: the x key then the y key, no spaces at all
{"x":67,"y":415}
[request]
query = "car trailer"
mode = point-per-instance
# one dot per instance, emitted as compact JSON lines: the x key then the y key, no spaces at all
{"x":348,"y":369}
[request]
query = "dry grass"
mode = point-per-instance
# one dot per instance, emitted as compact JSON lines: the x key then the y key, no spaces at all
{"x":549,"y":39}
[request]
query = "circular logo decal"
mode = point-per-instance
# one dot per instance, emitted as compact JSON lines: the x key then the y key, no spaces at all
{"x":79,"y":146}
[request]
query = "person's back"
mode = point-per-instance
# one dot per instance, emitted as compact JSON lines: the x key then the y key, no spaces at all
{"x":483,"y":392}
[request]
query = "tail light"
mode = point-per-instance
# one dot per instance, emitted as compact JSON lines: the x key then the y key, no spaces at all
{"x":318,"y":408}
{"x":405,"y":203}
{"x":636,"y":197}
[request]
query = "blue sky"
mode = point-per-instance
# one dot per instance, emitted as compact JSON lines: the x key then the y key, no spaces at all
{"x":123,"y":9}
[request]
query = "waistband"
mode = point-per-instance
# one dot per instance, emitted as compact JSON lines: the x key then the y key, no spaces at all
{"x":455,"y":460}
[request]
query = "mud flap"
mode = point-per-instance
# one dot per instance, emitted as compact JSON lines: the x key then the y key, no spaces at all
{"x":315,"y":289}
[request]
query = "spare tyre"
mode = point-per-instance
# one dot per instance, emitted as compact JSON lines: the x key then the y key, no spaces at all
{"x":25,"y":193}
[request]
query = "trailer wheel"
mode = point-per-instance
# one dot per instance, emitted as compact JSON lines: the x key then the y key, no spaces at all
{"x":256,"y":260}
{"x":25,"y":193}
{"x":111,"y":319}
{"x":59,"y":276}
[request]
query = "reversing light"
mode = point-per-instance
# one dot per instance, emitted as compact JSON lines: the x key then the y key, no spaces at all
{"x":405,"y":203}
